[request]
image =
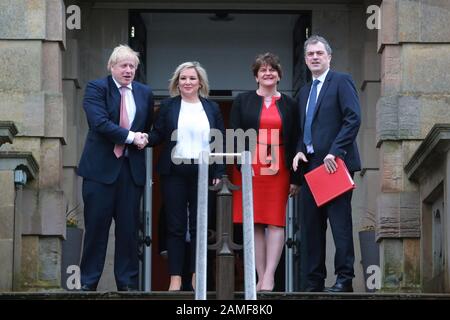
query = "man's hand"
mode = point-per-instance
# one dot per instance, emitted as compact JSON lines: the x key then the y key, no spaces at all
{"x":293,"y":190}
{"x":140,"y":140}
{"x":299,"y":156}
{"x":330,"y":163}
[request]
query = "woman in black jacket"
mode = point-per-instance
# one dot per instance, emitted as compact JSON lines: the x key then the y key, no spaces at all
{"x":185,"y":123}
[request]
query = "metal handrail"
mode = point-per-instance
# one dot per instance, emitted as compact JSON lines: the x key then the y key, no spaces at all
{"x":202,"y":227}
{"x":289,"y":244}
{"x":249,"y":235}
{"x":148,"y":200}
{"x":202,"y":224}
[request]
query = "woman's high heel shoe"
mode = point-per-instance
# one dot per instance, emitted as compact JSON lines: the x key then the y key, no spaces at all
{"x":176,"y":290}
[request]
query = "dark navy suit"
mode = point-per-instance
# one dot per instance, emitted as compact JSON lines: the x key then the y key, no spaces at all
{"x":334,"y":128}
{"x":179,"y":181}
{"x":112,"y":187}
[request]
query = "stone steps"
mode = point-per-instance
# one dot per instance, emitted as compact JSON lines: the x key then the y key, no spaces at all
{"x":164,"y":295}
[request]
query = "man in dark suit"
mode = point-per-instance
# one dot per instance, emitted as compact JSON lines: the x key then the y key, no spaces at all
{"x":119,"y":112}
{"x":330,"y":117}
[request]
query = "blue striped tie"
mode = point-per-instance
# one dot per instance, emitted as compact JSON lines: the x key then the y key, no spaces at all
{"x":307,"y":138}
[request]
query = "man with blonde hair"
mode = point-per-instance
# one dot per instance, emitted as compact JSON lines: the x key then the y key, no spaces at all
{"x":119,"y":112}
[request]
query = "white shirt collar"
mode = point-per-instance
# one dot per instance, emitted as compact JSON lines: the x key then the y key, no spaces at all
{"x":322,"y":77}
{"x":119,"y":85}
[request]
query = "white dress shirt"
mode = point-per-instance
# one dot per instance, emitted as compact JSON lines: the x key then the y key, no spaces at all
{"x":321,"y":78}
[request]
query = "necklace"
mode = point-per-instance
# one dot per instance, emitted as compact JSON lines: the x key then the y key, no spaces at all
{"x":266,"y":98}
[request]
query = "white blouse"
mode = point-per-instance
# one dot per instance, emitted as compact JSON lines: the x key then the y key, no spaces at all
{"x":193,"y":131}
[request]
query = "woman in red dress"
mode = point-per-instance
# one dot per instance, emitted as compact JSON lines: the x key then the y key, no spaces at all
{"x":274,"y":118}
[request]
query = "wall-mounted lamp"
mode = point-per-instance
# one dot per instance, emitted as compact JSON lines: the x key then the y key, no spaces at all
{"x":20,"y":177}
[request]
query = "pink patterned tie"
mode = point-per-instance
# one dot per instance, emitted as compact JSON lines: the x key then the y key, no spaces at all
{"x":124,"y":122}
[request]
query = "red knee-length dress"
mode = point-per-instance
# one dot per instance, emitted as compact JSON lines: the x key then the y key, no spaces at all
{"x":271,"y":177}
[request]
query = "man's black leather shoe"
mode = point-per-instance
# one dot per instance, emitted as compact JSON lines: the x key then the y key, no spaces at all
{"x":85,"y":287}
{"x":340,"y":287}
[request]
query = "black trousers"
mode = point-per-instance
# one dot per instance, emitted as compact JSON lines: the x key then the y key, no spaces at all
{"x":313,"y":233}
{"x":179,"y":191}
{"x":102,"y":203}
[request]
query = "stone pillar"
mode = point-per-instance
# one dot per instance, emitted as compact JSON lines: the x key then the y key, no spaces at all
{"x":16,"y":169}
{"x":32,"y":37}
{"x":75,"y":130}
{"x":429,"y":167}
{"x":414,"y":45}
{"x":6,"y":230}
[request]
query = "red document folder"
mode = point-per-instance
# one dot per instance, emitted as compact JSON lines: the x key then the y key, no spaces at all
{"x":325,"y":186}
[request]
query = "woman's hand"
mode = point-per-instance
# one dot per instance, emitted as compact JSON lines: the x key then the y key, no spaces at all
{"x":216,"y":181}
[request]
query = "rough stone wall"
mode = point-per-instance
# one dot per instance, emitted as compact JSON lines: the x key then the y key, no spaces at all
{"x":414,"y":43}
{"x":32,"y":37}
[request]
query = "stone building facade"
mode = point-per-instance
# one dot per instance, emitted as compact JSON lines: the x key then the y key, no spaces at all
{"x":400,"y":69}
